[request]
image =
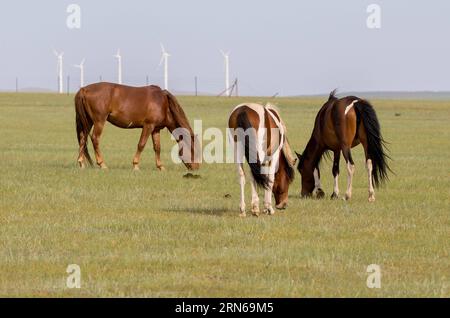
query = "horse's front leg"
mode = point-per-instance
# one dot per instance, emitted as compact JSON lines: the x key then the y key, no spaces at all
{"x":146,"y":130}
{"x":157,"y":148}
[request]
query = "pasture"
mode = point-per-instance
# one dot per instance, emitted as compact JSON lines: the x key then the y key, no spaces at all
{"x":157,"y":234}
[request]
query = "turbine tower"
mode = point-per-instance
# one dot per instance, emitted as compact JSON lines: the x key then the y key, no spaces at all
{"x":165,"y":59}
{"x":59,"y":70}
{"x":226,"y":57}
{"x":119,"y":66}
{"x":81,"y":67}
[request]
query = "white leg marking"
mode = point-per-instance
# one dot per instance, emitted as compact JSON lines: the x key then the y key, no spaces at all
{"x":255,"y":198}
{"x":317,"y":184}
{"x":336,"y":185}
{"x":242,"y":184}
{"x":369,"y":175}
{"x":350,"y":172}
{"x":347,"y":109}
{"x":268,"y":209}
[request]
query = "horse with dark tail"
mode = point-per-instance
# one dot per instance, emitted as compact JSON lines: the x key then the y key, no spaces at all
{"x":340,"y":125}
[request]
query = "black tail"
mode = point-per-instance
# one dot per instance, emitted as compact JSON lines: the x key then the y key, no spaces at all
{"x":255,"y":167}
{"x":376,"y":144}
{"x":82,"y":122}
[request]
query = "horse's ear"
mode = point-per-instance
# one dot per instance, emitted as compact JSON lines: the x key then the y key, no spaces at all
{"x":299,"y":156}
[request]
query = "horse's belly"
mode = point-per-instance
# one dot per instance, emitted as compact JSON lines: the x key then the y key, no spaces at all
{"x":122,"y":122}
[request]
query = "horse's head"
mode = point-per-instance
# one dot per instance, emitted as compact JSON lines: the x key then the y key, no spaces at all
{"x":307,"y":173}
{"x":283,"y":178}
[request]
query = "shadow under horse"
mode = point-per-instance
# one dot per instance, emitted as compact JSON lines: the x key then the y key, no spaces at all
{"x":149,"y":108}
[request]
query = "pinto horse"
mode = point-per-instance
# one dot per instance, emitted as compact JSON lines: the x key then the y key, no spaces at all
{"x":271,"y":165}
{"x":340,"y":125}
{"x":149,"y":108}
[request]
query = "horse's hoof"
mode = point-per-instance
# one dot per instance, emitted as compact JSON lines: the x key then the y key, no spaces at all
{"x":269,"y":211}
{"x":255,"y":209}
{"x":242,"y":215}
{"x":334,"y":196}
{"x":103,"y":167}
{"x":136,"y":168}
{"x":347,"y":197}
{"x":371,"y":199}
{"x":320,"y":194}
{"x":161,"y":168}
{"x":81,"y":165}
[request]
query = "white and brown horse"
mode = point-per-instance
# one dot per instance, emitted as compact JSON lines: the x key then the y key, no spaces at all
{"x":258,"y":133}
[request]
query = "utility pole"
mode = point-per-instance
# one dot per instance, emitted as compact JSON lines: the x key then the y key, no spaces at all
{"x":146,"y":80}
{"x":17,"y":84}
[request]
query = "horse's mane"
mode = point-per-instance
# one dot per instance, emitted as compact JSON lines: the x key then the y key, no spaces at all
{"x":286,"y":153}
{"x":286,"y":147}
{"x":178,"y":113}
{"x":332,"y":95}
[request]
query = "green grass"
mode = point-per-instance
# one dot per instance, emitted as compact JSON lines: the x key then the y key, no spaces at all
{"x":157,"y":234}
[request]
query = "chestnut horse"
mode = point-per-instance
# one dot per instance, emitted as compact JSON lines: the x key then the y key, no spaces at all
{"x":340,"y":125}
{"x":149,"y":108}
{"x":271,"y":165}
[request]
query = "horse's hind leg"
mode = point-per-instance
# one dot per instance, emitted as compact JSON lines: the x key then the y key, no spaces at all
{"x":242,"y":184}
{"x":369,"y":168}
{"x":350,"y":171}
{"x":146,"y":130}
{"x":82,"y":142}
{"x":268,"y":209}
{"x":255,"y":198}
{"x":337,"y":157}
{"x":97,"y":133}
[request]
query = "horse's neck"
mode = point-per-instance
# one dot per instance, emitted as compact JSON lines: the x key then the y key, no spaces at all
{"x":313,"y":152}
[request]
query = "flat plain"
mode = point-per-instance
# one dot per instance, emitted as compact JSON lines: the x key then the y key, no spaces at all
{"x":157,"y":234}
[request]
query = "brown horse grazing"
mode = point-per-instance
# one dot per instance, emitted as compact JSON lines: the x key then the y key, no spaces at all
{"x":149,"y":108}
{"x":258,"y":133}
{"x":340,"y":125}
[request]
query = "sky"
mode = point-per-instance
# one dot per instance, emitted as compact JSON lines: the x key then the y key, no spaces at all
{"x":286,"y":47}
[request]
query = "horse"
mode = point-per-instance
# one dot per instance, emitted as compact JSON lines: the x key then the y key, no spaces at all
{"x":149,"y":108}
{"x":272,"y":166}
{"x":340,"y":125}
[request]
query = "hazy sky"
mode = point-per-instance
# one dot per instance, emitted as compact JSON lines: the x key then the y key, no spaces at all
{"x":290,"y":47}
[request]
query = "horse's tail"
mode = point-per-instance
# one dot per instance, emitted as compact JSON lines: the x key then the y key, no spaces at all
{"x":177,"y":112}
{"x":255,"y":167}
{"x":82,"y":122}
{"x":376,"y":147}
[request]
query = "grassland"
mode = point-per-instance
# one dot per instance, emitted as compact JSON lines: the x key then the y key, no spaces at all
{"x":157,"y":234}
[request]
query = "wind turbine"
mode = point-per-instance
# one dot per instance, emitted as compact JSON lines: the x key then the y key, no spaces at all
{"x":226,"y":57}
{"x":59,"y":69}
{"x":119,"y":66}
{"x":81,"y":67}
{"x":165,"y":58}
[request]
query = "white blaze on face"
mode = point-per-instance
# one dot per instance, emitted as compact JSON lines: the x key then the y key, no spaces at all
{"x":347,"y":109}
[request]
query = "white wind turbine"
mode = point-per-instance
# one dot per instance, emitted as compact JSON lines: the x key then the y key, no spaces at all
{"x":59,"y":70}
{"x":119,"y":66}
{"x":81,"y":67}
{"x":165,"y":59}
{"x":226,"y":57}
